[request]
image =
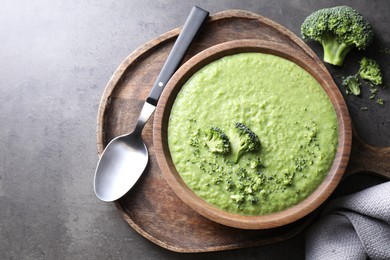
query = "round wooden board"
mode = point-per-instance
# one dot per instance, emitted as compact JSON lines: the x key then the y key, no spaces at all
{"x":151,"y":207}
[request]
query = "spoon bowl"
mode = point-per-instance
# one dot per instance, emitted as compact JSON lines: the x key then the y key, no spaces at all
{"x":122,"y":163}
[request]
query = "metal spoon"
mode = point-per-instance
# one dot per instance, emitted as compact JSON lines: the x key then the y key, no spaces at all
{"x":125,"y":157}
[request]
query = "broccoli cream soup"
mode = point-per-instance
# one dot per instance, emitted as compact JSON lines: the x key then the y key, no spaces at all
{"x":252,"y":133}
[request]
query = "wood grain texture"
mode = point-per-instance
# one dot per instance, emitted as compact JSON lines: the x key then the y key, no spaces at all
{"x":151,"y":208}
{"x":370,"y":159}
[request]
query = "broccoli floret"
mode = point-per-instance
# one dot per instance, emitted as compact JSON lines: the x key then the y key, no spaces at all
{"x":352,"y":85}
{"x":243,"y":140}
{"x":370,"y":70}
{"x":217,"y":141}
{"x":339,"y":29}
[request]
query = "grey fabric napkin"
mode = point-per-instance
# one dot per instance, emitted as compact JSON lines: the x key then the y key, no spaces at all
{"x":354,"y":227}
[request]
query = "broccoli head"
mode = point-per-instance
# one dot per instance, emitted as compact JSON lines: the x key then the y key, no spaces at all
{"x":370,"y":70}
{"x":243,"y":140}
{"x":339,"y":29}
{"x":217,"y":141}
{"x":352,"y":85}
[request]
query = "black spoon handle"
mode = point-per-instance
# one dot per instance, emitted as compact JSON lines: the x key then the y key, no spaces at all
{"x":190,"y":30}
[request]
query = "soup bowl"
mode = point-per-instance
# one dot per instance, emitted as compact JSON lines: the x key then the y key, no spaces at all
{"x":270,"y":220}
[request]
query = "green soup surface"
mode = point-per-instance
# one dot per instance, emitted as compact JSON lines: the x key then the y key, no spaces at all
{"x":282,"y":104}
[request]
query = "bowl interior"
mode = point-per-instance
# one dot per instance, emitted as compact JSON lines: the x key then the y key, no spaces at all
{"x":161,"y":120}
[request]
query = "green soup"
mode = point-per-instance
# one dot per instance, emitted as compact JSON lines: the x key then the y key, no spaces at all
{"x":282,"y":104}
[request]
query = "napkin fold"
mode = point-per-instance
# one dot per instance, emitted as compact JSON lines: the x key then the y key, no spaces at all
{"x":355,"y":226}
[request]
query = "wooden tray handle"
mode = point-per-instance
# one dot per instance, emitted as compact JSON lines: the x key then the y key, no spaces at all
{"x":367,"y":158}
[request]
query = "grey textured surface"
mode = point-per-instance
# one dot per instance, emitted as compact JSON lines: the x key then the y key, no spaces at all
{"x":56,"y":58}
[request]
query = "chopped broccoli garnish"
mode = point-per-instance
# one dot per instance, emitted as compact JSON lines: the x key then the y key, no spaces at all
{"x":352,"y":85}
{"x":339,"y":29}
{"x":253,"y":199}
{"x":255,"y":164}
{"x":217,"y":141}
{"x":243,"y":140}
{"x":237,"y":198}
{"x":257,"y":182}
{"x":374,"y":90}
{"x":370,"y":70}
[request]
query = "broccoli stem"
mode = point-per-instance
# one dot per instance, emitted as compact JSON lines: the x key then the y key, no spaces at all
{"x":334,"y":52}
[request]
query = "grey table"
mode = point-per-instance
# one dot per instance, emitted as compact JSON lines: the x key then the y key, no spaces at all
{"x":55,"y":60}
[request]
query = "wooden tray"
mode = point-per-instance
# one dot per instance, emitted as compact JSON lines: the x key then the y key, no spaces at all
{"x":151,"y":207}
